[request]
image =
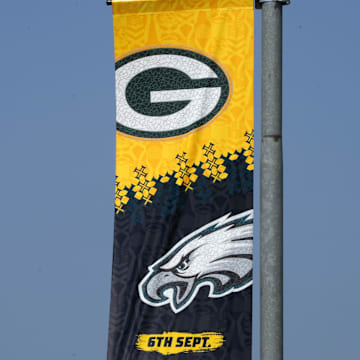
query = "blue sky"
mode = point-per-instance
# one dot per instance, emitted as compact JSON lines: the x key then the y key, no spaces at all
{"x":57,"y":149}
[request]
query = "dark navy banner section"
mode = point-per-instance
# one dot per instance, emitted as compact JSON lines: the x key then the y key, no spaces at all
{"x":143,"y":235}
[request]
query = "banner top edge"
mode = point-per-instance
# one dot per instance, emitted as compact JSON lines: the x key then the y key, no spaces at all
{"x":122,"y":7}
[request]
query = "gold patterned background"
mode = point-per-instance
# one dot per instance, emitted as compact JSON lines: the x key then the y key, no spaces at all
{"x":223,"y":29}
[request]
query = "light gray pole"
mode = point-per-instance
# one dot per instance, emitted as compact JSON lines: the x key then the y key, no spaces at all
{"x":271,"y":191}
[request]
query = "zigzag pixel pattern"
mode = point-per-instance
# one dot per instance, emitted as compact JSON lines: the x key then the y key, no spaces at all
{"x":212,"y":166}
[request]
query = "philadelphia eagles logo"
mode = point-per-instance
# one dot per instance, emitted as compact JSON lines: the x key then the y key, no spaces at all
{"x":166,"y":92}
{"x":218,"y":255}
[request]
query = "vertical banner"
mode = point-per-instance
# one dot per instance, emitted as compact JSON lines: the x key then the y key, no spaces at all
{"x":183,"y":239}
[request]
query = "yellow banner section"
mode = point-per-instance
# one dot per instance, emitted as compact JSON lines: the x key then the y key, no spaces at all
{"x":187,"y":38}
{"x":170,"y":343}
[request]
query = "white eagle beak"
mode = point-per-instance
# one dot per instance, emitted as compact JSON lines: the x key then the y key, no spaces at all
{"x":157,"y":285}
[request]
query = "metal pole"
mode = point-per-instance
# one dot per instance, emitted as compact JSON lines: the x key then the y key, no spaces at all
{"x":271,"y":191}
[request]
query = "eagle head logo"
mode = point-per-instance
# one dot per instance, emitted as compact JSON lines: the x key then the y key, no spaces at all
{"x":218,"y":255}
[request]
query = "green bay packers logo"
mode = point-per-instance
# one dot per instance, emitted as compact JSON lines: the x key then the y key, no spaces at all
{"x":167,"y":92}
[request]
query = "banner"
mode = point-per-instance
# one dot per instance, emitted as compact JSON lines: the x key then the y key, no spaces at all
{"x":183,"y":239}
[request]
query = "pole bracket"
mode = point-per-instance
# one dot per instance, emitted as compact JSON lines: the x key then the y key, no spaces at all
{"x":108,"y":2}
{"x":258,"y":3}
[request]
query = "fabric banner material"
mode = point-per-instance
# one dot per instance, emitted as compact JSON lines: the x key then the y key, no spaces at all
{"x":183,"y":239}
